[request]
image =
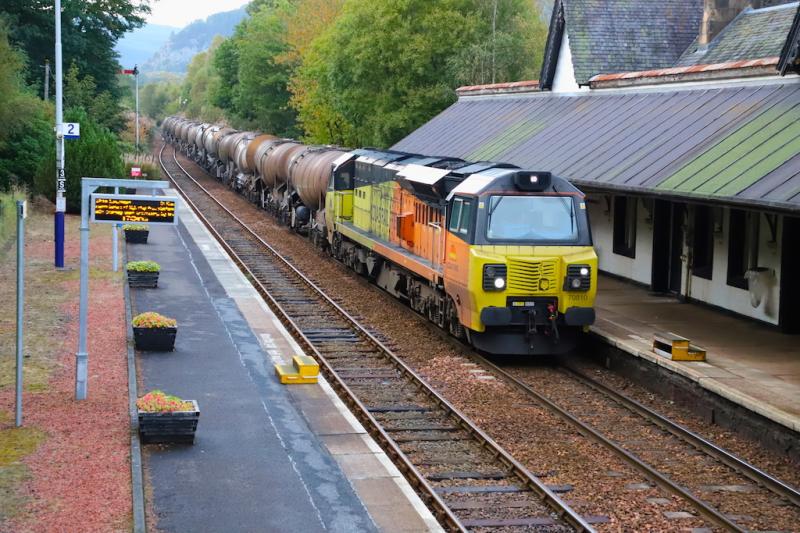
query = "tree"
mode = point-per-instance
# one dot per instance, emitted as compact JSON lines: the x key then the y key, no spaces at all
{"x":156,"y":98}
{"x":96,"y":153}
{"x":90,"y":29}
{"x":195,"y":95}
{"x":81,"y":92}
{"x":262,"y":98}
{"x":27,"y":121}
{"x":385,"y":67}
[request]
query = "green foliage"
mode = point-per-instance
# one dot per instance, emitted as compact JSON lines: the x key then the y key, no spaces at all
{"x":385,"y":67}
{"x":135,"y":227}
{"x":195,"y":92}
{"x":262,"y":99}
{"x":81,"y":93}
{"x":360,"y":72}
{"x":26,"y":120}
{"x":156,"y":99}
{"x":143,"y":266}
{"x":96,"y":154}
{"x":90,"y":29}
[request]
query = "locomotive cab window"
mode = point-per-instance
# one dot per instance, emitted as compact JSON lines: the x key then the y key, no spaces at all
{"x":343,"y":180}
{"x":531,"y":218}
{"x":461,"y":217}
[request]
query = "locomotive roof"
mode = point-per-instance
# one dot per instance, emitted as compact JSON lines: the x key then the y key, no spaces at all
{"x":502,"y":180}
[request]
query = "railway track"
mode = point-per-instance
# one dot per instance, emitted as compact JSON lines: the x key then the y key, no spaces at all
{"x":677,"y":460}
{"x":721,"y":498}
{"x":467,"y":480}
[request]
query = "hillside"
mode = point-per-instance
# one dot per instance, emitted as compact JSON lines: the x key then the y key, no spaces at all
{"x":139,"y":45}
{"x":176,"y":54}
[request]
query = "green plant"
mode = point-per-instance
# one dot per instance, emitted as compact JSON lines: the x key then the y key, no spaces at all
{"x":143,"y":266}
{"x":159,"y":402}
{"x":153,"y":320}
{"x":135,"y":227}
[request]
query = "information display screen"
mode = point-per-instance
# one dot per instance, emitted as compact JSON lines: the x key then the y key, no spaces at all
{"x":111,"y":208}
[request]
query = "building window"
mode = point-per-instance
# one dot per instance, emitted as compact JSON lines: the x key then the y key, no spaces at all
{"x":742,"y":246}
{"x":703,"y":242}
{"x":625,"y":226}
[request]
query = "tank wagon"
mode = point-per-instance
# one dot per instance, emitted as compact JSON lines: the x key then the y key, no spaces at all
{"x":499,"y":256}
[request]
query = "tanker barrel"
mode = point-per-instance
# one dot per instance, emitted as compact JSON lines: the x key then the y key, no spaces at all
{"x":240,"y":151}
{"x":227,"y":146}
{"x":275,"y":163}
{"x":311,"y":173}
{"x":251,"y":163}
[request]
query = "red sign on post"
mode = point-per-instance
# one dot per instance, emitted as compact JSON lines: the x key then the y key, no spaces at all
{"x":136,"y":172}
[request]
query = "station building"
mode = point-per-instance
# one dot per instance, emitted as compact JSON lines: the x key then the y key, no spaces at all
{"x":680,"y":119}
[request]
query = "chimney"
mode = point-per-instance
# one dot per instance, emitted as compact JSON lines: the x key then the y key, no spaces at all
{"x":717,"y":14}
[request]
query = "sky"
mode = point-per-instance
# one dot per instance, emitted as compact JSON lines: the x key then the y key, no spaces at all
{"x":179,"y":13}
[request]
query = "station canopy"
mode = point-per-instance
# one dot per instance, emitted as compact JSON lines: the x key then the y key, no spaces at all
{"x":735,"y":143}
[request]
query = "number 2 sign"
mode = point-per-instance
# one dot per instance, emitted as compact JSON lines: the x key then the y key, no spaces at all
{"x":72,"y":130}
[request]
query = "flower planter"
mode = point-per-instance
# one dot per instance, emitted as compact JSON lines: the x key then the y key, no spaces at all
{"x":136,"y":236}
{"x":155,"y":339}
{"x":142,"y":280}
{"x":175,"y":427}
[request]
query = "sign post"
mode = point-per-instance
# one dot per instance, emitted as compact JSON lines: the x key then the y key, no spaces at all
{"x":115,"y":208}
{"x":61,"y":178}
{"x":22,"y":214}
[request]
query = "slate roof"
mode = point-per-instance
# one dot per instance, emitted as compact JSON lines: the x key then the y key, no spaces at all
{"x":727,"y":143}
{"x":753,"y":34}
{"x":608,"y":36}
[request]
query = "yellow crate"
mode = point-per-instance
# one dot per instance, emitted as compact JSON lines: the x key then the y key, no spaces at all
{"x":677,"y":348}
{"x":287,"y":374}
{"x":306,"y":366}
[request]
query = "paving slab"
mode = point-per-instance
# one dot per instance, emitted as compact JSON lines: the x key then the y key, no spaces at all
{"x":751,"y":364}
{"x":266,"y":456}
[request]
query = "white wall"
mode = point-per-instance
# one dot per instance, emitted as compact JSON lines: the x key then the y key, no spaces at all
{"x":601,"y":217}
{"x":716,"y":291}
{"x":564,"y":79}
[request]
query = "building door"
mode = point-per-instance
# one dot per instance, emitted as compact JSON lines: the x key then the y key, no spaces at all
{"x":790,"y":281}
{"x":667,"y":246}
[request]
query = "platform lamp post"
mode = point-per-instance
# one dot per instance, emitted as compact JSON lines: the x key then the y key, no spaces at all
{"x":61,"y":180}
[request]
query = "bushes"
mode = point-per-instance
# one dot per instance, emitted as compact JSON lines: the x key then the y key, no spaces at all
{"x":95,"y":154}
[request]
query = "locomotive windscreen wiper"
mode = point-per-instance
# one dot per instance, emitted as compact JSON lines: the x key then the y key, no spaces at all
{"x":493,"y":207}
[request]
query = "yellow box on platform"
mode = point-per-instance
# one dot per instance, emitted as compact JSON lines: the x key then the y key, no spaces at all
{"x":303,"y":370}
{"x":677,"y":348}
{"x":306,"y":366}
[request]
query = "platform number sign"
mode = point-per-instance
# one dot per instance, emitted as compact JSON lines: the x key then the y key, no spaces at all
{"x":72,"y":130}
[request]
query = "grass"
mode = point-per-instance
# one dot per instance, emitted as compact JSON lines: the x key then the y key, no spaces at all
{"x":15,"y":444}
{"x":8,"y":218}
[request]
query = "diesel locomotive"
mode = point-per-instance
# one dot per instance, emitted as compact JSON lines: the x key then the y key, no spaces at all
{"x":499,"y":256}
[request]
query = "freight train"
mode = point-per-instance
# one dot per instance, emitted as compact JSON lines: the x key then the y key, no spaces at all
{"x":499,"y":256}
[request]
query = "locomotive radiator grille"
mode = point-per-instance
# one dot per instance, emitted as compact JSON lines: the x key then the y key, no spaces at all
{"x":532,"y":277}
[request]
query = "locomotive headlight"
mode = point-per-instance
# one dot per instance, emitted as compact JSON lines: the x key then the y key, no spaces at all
{"x":579,"y":278}
{"x":494,"y":277}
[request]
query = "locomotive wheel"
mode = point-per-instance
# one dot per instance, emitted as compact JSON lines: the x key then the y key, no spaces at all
{"x":454,"y":325}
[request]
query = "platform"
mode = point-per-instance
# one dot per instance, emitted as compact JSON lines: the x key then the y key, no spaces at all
{"x":750,"y":364}
{"x":266,"y":457}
